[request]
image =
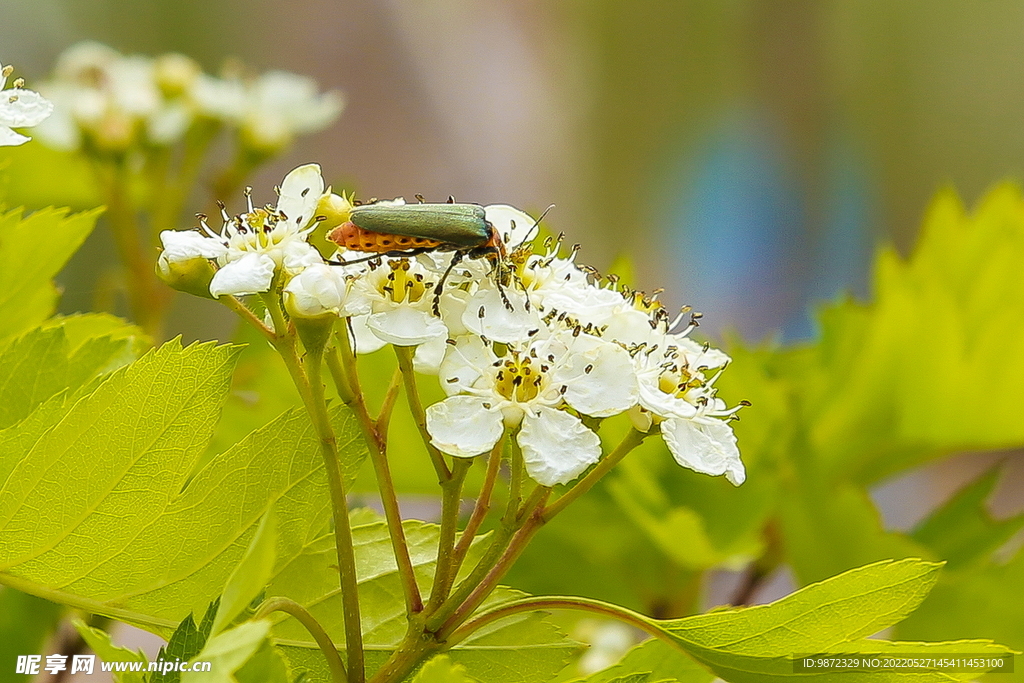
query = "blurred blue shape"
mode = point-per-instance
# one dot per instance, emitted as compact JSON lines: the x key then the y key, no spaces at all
{"x":738,"y":219}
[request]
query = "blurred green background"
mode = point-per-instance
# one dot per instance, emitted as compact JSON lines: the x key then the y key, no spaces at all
{"x":747,"y":154}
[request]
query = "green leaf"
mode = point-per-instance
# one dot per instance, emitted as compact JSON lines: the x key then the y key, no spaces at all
{"x":698,"y":522}
{"x":755,"y":644}
{"x":652,"y":661}
{"x":844,"y":608}
{"x":32,"y":369}
{"x":186,"y":642}
{"x":979,"y":601}
{"x":593,"y":549}
{"x":227,"y":652}
{"x":521,"y":648}
{"x":171,"y":550}
{"x":32,"y":251}
{"x":441,"y":669}
{"x":962,"y":531}
{"x":813,"y":516}
{"x":261,"y":390}
{"x":42,"y":362}
{"x":266,"y":666}
{"x":251,"y":575}
{"x":99,"y":642}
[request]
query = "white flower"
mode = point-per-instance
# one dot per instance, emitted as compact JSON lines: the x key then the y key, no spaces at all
{"x":513,"y":226}
{"x":19,"y":108}
{"x":218,"y":98}
{"x":281,"y":105}
{"x":526,"y":388}
{"x":180,"y":246}
{"x":318,"y":290}
{"x":694,"y":422}
{"x":115,"y":101}
{"x":399,"y":296}
{"x":254,"y":246}
{"x":500,"y":314}
{"x":110,"y":98}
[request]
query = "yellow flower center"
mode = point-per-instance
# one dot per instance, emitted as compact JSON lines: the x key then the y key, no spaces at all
{"x":257,"y":219}
{"x":518,"y":379}
{"x":402,"y":286}
{"x":678,"y":380}
{"x":644,"y":303}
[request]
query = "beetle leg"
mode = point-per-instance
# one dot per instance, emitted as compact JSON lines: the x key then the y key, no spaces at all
{"x":439,"y":289}
{"x":395,"y":254}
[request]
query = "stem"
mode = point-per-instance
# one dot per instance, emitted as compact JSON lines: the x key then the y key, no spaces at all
{"x":451,"y":495}
{"x":311,"y":388}
{"x":146,"y":297}
{"x":534,"y":520}
{"x":480,"y":510}
{"x":412,"y":394}
{"x":413,"y":649}
{"x":548,"y":603}
{"x":337,"y":370}
{"x":515,"y":483}
{"x":247,"y":315}
{"x":628,"y":443}
{"x":302,"y":615}
{"x":376,"y":444}
{"x":494,"y":551}
{"x":384,"y":416}
{"x":167,"y":209}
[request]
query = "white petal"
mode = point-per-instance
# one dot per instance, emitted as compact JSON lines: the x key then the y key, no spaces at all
{"x":169,"y":123}
{"x":462,"y":426}
{"x":642,"y":419}
{"x":316,"y":291}
{"x":250,"y":274}
{"x":185,"y":245}
{"x":513,"y":225}
{"x":405,"y":326}
{"x":598,"y":376}
{"x":299,"y":254}
{"x":557,"y":446}
{"x":707,"y":446}
{"x":22,"y":108}
{"x":300,"y":192}
{"x":628,"y":326}
{"x":363,"y":340}
{"x":8,"y":138}
{"x":429,"y":355}
{"x":657,"y":401}
{"x":464,"y":364}
{"x":696,"y":355}
{"x":487,"y":315}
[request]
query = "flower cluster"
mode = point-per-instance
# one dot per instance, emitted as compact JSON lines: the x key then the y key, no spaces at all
{"x":19,"y":108}
{"x":529,"y":344}
{"x":108,"y":101}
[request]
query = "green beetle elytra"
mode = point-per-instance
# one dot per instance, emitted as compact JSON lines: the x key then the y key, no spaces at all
{"x":409,"y":229}
{"x":402,"y":230}
{"x":464,"y":225}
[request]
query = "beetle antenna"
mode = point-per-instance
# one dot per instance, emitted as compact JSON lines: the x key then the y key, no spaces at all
{"x":535,"y":228}
{"x":420,"y":198}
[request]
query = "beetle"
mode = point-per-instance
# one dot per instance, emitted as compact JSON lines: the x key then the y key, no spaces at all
{"x":411,"y":229}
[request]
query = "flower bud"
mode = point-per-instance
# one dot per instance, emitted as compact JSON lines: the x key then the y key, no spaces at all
{"x":175,"y":73}
{"x":317,"y":292}
{"x":335,"y":209}
{"x":190,"y":275}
